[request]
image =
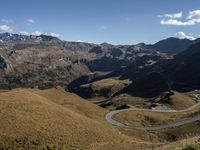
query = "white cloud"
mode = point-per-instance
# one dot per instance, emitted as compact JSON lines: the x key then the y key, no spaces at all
{"x":102,"y":27}
{"x":175,"y":15}
{"x":53,"y":34}
{"x":182,"y":35}
{"x":195,"y":14}
{"x":6,"y":28}
{"x":192,"y":18}
{"x":31,"y":21}
{"x":177,"y":22}
{"x":6,"y":20}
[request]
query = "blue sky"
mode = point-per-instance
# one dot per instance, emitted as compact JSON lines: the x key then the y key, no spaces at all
{"x":97,"y":21}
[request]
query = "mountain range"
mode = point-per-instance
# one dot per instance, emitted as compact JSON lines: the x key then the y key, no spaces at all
{"x":45,"y":61}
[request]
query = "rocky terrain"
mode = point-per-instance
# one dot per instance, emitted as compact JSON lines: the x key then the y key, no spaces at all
{"x":46,"y":61}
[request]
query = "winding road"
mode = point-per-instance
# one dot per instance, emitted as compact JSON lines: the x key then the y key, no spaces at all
{"x":181,"y":122}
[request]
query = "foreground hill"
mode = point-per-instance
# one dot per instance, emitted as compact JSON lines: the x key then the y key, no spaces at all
{"x":73,"y":102}
{"x":54,"y":119}
{"x":31,"y":121}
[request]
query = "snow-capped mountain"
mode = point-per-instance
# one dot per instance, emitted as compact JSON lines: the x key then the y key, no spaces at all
{"x":9,"y":38}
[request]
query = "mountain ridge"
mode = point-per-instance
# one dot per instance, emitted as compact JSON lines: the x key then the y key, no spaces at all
{"x":174,"y":45}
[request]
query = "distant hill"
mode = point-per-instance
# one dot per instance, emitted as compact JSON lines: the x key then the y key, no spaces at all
{"x":182,"y":72}
{"x":171,"y":45}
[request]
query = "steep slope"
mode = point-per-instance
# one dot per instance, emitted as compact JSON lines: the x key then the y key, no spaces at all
{"x":73,"y":102}
{"x":31,"y":121}
{"x":184,"y":69}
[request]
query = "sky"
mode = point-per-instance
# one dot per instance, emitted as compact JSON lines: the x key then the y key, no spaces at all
{"x":98,"y":21}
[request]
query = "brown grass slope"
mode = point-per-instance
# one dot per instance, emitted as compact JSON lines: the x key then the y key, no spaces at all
{"x":180,"y":101}
{"x":31,"y":121}
{"x":73,"y":102}
{"x":102,"y":88}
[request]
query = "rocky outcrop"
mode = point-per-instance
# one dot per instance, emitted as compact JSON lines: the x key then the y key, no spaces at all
{"x":3,"y":64}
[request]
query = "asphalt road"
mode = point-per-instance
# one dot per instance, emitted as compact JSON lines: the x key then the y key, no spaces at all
{"x":181,"y":122}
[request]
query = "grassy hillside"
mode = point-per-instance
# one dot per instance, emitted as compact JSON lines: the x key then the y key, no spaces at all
{"x":145,"y":118}
{"x":181,"y":101}
{"x":176,"y":101}
{"x":105,"y":88}
{"x":186,"y":144}
{"x":29,"y":120}
{"x":74,"y":102}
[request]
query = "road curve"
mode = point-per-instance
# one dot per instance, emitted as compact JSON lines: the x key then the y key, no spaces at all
{"x":181,"y":122}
